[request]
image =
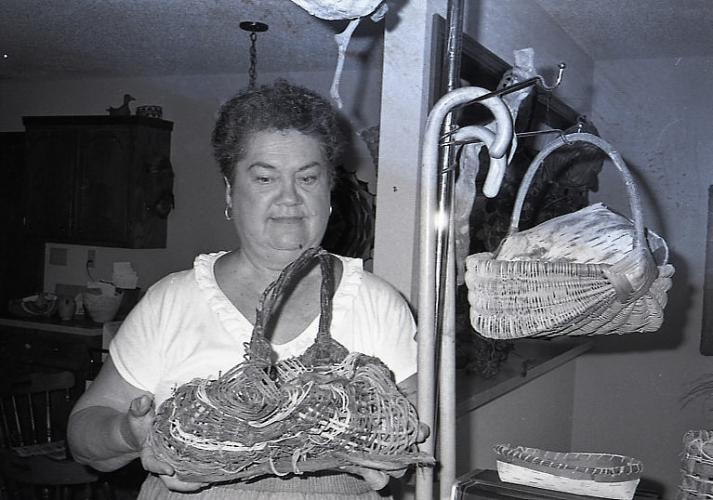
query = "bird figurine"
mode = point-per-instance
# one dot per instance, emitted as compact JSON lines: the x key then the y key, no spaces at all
{"x":124,"y":109}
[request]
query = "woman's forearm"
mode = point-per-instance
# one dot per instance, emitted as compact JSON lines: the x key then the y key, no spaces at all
{"x":100,"y":437}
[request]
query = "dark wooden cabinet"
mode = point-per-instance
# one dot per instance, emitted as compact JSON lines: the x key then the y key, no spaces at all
{"x":21,"y":255}
{"x":99,"y":180}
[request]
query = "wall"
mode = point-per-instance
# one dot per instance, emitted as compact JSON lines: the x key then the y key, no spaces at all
{"x":404,"y":101}
{"x":537,"y":414}
{"x":197,"y":223}
{"x":656,"y":112}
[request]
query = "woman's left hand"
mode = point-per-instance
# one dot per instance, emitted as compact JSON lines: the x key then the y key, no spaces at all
{"x":377,"y":472}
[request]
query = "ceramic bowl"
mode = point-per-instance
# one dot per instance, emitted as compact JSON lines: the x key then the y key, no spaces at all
{"x":101,"y":308}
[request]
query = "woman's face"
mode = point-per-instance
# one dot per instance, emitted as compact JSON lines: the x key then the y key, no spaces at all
{"x":280,"y":195}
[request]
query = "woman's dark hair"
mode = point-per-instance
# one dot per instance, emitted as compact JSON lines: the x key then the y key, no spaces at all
{"x":281,"y":106}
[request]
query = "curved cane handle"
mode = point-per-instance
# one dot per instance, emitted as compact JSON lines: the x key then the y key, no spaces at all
{"x":503,"y":119}
{"x":496,"y":170}
{"x":618,"y":162}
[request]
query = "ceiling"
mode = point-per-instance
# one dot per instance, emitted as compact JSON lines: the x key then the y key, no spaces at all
{"x":104,"y":38}
{"x":636,"y":29}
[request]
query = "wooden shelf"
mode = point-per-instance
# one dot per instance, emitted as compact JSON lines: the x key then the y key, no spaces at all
{"x":530,"y":359}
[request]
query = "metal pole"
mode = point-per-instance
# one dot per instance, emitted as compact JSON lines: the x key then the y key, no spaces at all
{"x":428,"y":278}
{"x":433,"y":265}
{"x":445,"y":313}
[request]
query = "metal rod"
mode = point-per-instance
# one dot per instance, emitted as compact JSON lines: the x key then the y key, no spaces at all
{"x":429,"y":220}
{"x":527,"y":83}
{"x":442,"y":432}
{"x":447,"y":368}
{"x":535,"y":80}
{"x":532,"y":133}
{"x":445,"y":314}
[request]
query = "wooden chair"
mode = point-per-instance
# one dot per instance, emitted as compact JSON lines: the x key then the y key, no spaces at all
{"x":34,"y":459}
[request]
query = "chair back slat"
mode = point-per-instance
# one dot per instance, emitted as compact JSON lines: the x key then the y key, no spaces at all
{"x":31,"y":411}
{"x":48,"y":418}
{"x":16,"y":417}
{"x":34,"y":409}
{"x":34,"y":401}
{"x":5,"y":442}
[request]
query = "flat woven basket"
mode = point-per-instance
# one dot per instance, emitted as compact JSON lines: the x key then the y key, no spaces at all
{"x":697,"y":466}
{"x":602,"y":475}
{"x":591,"y":272}
{"x":308,"y":413}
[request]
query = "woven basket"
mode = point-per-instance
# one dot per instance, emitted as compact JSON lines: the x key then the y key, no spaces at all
{"x":697,"y":466}
{"x":601,"y":475}
{"x":313,"y":412}
{"x":591,"y":272}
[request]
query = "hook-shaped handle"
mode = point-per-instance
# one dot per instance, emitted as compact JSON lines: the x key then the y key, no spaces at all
{"x":560,"y":71}
{"x":465,"y":95}
{"x":496,"y":170}
{"x":526,"y":83}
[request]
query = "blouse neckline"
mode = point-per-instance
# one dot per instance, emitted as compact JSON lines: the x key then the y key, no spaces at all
{"x":235,"y":322}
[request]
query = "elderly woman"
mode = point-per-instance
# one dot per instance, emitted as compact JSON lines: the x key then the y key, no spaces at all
{"x":277,"y":147}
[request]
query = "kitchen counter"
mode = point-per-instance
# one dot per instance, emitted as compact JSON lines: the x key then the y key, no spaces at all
{"x":28,"y":344}
{"x":79,"y":325}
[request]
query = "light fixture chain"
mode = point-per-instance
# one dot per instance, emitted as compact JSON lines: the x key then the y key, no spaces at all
{"x":252,"y":72}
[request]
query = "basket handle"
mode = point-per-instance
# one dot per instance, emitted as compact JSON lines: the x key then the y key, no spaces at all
{"x":629,"y":183}
{"x":259,"y":349}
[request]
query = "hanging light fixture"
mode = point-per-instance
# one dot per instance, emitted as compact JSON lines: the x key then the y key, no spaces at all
{"x":254,"y":27}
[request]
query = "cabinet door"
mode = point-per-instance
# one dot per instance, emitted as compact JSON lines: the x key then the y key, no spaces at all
{"x":21,"y":257}
{"x":51,"y":158}
{"x":103,"y":185}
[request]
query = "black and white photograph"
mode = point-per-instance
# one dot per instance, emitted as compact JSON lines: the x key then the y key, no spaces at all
{"x":356,"y":249}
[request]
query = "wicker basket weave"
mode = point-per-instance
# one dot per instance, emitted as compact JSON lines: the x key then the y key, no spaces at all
{"x":602,"y":475}
{"x":313,"y":412}
{"x":697,"y":466}
{"x":576,"y":279}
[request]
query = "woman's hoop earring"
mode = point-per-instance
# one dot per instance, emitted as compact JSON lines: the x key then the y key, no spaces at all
{"x":228,"y":212}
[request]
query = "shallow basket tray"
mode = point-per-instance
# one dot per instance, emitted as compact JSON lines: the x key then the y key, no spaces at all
{"x":601,"y":475}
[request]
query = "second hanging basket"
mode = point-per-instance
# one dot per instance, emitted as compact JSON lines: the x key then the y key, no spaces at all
{"x":591,"y":272}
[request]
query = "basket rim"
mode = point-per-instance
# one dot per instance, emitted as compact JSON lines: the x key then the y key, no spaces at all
{"x":614,"y":156}
{"x":533,"y":456}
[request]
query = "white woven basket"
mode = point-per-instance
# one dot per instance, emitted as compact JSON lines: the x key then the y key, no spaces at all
{"x":601,"y":475}
{"x":592,"y":272}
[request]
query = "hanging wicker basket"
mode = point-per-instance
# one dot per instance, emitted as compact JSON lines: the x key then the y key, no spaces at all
{"x":309,"y":413}
{"x":591,"y":272}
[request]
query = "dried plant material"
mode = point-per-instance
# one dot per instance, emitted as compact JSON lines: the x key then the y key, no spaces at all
{"x":339,"y":9}
{"x":334,"y":10}
{"x":342,"y":40}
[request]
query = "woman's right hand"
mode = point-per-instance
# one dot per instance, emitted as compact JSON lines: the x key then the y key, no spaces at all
{"x":139,"y":420}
